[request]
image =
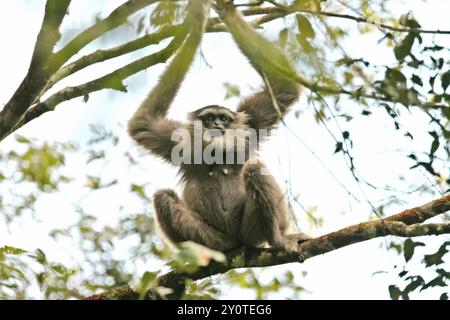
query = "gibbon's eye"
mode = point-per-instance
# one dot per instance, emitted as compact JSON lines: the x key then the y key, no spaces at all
{"x":224,"y":119}
{"x":210,"y":118}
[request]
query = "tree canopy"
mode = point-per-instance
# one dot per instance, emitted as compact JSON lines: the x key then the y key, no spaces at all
{"x":374,"y":120}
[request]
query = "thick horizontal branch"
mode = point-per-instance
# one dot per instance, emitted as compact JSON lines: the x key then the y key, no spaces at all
{"x":404,"y":224}
{"x":39,"y":70}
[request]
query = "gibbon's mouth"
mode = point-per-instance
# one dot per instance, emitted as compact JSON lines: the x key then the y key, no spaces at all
{"x":218,"y":129}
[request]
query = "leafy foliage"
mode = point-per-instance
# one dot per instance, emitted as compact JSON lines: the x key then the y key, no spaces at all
{"x":418,"y":282}
{"x":116,"y":244}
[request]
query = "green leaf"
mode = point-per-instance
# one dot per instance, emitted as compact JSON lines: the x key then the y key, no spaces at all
{"x":289,"y":276}
{"x":282,"y":37}
{"x":338,"y":147}
{"x":445,"y":80}
{"x":232,"y":90}
{"x":416,"y":282}
{"x":22,"y":139}
{"x":436,"y":258}
{"x":408,"y":248}
{"x":408,"y":21}
{"x":435,"y":143}
{"x":40,"y":277}
{"x":403,"y":48}
{"x":395,"y":78}
{"x":445,"y":274}
{"x":306,"y":33}
{"x":59,"y":268}
{"x":403,"y":273}
{"x":12,"y":250}
{"x":394,"y":292}
{"x":304,"y":26}
{"x":146,"y":283}
{"x":40,"y":256}
{"x":140,"y":191}
{"x":436,"y":282}
{"x":416,"y":79}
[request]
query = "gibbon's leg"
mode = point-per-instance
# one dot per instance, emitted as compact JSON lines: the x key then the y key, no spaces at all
{"x":179,"y":223}
{"x":265,"y":215}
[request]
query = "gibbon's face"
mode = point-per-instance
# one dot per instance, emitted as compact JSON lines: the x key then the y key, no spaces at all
{"x":218,"y":118}
{"x":221,"y":128}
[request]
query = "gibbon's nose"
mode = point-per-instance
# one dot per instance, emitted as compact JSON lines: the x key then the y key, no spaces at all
{"x":218,"y":124}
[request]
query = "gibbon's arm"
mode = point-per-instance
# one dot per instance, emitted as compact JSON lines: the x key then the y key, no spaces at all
{"x":271,"y":64}
{"x":149,"y":126}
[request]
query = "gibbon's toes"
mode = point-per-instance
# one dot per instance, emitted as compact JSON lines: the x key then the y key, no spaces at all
{"x":292,"y":248}
{"x":303,"y":237}
{"x":298,"y":238}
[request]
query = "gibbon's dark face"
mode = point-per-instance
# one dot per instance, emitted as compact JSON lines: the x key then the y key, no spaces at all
{"x":215,"y":117}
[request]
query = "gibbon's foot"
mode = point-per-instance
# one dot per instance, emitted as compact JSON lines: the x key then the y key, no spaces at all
{"x":299,"y":237}
{"x":180,"y":223}
{"x":292,"y":242}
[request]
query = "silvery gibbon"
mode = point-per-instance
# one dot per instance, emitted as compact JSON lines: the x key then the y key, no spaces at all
{"x":223,"y":205}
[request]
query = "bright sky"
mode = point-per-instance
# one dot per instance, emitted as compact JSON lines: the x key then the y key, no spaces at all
{"x":346,"y":273}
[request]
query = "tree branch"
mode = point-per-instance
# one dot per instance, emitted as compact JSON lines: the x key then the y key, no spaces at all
{"x":372,"y":22}
{"x":9,"y":124}
{"x":112,"y":21}
{"x":167,"y":31}
{"x":401,"y":229}
{"x":106,"y":54}
{"x":292,"y":9}
{"x":44,"y":63}
{"x":360,"y":93}
{"x":114,"y":79}
{"x":39,"y":70}
{"x":404,"y":224}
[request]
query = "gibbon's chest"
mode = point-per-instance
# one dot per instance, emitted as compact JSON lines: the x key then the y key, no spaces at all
{"x":216,"y":189}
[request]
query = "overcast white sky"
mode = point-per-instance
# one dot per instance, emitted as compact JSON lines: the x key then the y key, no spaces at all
{"x":346,"y":273}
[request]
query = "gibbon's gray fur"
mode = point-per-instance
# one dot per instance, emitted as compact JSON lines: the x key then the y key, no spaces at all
{"x":223,"y":206}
